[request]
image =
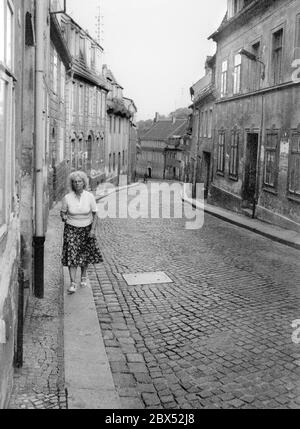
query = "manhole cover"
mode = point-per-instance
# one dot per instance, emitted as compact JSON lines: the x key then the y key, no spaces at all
{"x":146,"y":278}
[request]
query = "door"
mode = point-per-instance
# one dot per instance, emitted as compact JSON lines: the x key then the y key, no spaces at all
{"x":206,"y":165}
{"x":250,"y":179}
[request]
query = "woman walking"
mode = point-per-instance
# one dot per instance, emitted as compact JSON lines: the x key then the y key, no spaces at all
{"x":79,"y":212}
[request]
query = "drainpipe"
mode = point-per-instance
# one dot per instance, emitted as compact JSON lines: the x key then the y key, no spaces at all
{"x":39,"y":238}
{"x":194,"y":185}
{"x":257,"y":184}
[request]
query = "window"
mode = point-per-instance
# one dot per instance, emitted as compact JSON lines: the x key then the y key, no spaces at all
{"x":237,"y":74}
{"x":9,"y":36}
{"x":110,"y":124}
{"x":201,"y":124}
{"x":224,"y":77}
{"x":62,"y":82}
{"x":114,"y":162}
{"x":74,"y":98}
{"x":277,"y":56}
{"x":103,"y":108}
{"x":221,"y":153}
{"x":233,"y":159}
{"x":2,"y":38}
{"x":7,"y":33}
{"x":98,"y":104}
{"x":77,"y":44}
{"x":271,"y":160}
{"x":81,"y":100}
{"x":81,"y":47}
{"x":60,"y":145}
{"x":235,"y":6}
{"x":123,"y":158}
{"x":7,"y":152}
{"x":88,"y":48}
{"x":297,"y":41}
{"x":210,"y":123}
{"x":54,"y":71}
{"x":205,"y":123}
{"x":109,"y":163}
{"x":294,"y":166}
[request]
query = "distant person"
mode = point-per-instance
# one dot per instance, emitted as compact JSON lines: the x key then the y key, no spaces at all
{"x":145,"y":178}
{"x":79,"y":212}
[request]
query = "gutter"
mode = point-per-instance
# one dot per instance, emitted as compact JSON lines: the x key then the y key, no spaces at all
{"x":39,"y":237}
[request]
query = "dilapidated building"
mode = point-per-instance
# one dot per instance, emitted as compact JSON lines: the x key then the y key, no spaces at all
{"x":153,"y":146}
{"x":257,"y":111}
{"x":203,"y":96}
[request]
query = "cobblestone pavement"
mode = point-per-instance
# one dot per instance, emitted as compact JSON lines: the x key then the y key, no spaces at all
{"x":40,"y":383}
{"x":219,"y":336}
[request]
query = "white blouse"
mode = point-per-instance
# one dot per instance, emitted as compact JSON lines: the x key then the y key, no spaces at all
{"x":79,"y":210}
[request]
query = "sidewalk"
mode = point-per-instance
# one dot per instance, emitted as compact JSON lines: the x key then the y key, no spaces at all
{"x":273,"y":232}
{"x":39,"y":384}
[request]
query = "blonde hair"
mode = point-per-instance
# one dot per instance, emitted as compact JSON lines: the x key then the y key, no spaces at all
{"x":82,"y":176}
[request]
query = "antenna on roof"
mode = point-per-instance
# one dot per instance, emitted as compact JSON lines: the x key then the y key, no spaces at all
{"x":99,"y":24}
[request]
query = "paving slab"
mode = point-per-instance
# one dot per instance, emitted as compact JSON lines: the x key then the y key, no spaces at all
{"x":88,"y":375}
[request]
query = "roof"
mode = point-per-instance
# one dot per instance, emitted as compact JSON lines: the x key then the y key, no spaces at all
{"x":59,"y":41}
{"x":164,"y":129}
{"x":240,"y":18}
{"x":109,"y":76}
{"x":80,"y":69}
{"x":67,"y":16}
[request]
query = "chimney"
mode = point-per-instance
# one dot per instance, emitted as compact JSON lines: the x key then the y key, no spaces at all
{"x":173,"y":119}
{"x":156,"y":119}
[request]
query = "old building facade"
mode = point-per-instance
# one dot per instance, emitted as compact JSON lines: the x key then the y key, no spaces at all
{"x":85,"y":103}
{"x":57,"y":154}
{"x":203,"y":96}
{"x":133,"y":140}
{"x":24,"y":35}
{"x":120,"y":115}
{"x":257,"y":130}
{"x":153,"y":147}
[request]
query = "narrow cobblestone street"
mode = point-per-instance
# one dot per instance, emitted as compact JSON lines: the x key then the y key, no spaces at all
{"x":39,"y":384}
{"x":219,"y":336}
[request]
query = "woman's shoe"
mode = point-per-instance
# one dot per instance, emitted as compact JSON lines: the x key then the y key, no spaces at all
{"x":72,"y":288}
{"x":83,"y":282}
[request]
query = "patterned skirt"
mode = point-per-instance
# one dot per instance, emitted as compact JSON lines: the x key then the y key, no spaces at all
{"x":79,"y":250}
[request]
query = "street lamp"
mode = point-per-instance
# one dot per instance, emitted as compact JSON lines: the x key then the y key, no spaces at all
{"x":253,"y":57}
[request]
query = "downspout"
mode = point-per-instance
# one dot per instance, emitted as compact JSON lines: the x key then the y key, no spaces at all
{"x":39,"y":238}
{"x":196,"y":155}
{"x":258,"y":178}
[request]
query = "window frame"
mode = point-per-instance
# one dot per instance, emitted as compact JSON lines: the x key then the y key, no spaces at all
{"x":275,"y":151}
{"x":234,"y":155}
{"x":224,"y":78}
{"x":297,"y":38}
{"x":237,"y":74}
{"x":276,"y":80}
{"x":294,"y":193}
{"x":221,"y":136}
{"x":8,"y":143}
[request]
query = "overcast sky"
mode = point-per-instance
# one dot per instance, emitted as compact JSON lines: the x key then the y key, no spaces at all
{"x":155,"y":48}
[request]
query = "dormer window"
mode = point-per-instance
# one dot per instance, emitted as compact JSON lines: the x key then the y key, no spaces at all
{"x":234,"y":6}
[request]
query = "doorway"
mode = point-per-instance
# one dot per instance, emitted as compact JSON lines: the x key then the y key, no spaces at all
{"x":206,"y":172}
{"x":250,"y":179}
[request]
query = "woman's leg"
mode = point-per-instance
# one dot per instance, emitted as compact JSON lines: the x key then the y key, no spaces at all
{"x":83,"y":272}
{"x":72,"y":272}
